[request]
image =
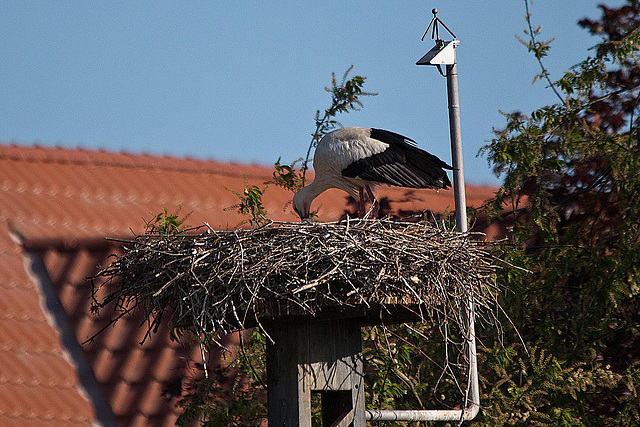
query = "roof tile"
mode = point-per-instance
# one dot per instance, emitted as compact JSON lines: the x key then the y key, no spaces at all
{"x":136,"y":367}
{"x":123,"y":399}
{"x":45,"y":404}
{"x":151,"y":402}
{"x":21,"y":421}
{"x":164,"y":368}
{"x":106,"y":367}
{"x":86,"y":327}
{"x":20,"y":304}
{"x":30,"y":335}
{"x":44,"y":368}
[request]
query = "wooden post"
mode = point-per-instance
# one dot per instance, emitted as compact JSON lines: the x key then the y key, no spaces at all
{"x":315,"y":355}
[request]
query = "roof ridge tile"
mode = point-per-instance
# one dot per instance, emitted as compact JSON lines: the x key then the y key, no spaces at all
{"x":79,"y":156}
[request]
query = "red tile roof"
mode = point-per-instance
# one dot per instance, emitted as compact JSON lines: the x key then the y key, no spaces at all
{"x":57,"y":205}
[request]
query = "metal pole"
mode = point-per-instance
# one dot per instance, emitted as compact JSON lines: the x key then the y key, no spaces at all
{"x":456,"y":148}
{"x":472,"y":399}
{"x":473,"y":389}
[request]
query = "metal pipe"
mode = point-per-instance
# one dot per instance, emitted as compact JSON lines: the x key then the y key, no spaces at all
{"x":456,"y":148}
{"x":472,"y":399}
{"x":473,"y":389}
{"x":422,"y":415}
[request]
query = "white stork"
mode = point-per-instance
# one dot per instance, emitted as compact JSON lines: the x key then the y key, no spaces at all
{"x":356,"y":159}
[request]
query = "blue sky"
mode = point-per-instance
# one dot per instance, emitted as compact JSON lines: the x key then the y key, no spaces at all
{"x":241,"y":81}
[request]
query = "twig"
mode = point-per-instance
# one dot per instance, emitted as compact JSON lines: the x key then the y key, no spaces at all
{"x":535,"y":44}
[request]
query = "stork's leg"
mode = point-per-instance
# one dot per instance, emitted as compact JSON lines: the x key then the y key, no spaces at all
{"x":361,"y":210}
{"x":375,"y":206}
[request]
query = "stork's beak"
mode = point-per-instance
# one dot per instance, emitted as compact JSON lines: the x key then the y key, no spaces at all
{"x":307,"y":221}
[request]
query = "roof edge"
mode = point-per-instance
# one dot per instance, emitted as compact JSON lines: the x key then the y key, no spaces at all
{"x":88,"y":386}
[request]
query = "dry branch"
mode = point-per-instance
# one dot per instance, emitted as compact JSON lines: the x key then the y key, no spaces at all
{"x":219,"y":281}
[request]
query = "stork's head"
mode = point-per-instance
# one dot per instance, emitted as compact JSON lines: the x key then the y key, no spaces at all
{"x":302,"y":203}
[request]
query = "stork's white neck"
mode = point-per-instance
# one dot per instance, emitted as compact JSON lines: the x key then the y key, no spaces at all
{"x":303,"y":197}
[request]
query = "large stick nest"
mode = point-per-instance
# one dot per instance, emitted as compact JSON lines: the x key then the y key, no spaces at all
{"x":219,"y":281}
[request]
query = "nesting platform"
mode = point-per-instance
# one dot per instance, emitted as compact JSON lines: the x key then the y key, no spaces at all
{"x":311,"y":287}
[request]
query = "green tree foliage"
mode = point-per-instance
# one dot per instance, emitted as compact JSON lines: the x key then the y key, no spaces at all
{"x":571,"y":196}
{"x":166,"y":223}
{"x":250,"y":205}
{"x":233,"y":394}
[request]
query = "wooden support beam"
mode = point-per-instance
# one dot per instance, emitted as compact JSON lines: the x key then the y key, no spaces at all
{"x":315,"y":355}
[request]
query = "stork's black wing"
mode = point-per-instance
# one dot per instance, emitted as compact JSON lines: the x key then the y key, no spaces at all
{"x":402,"y":164}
